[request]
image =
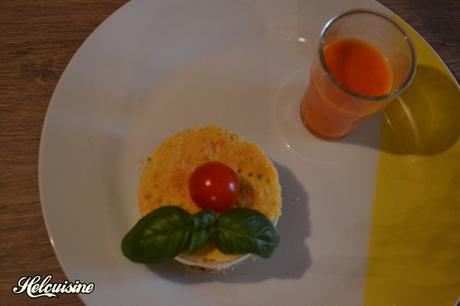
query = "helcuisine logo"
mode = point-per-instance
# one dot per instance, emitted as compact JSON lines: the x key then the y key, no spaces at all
{"x":36,"y":286}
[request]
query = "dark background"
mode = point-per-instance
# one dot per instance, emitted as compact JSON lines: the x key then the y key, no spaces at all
{"x":37,"y":40}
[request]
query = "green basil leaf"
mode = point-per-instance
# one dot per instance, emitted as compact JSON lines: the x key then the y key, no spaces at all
{"x":245,"y":230}
{"x":202,"y":221}
{"x":158,"y":236}
{"x":198,"y":240}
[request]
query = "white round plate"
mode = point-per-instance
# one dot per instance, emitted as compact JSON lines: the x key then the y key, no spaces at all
{"x":157,"y":67}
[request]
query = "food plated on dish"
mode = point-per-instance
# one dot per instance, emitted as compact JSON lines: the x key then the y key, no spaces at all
{"x":208,"y":199}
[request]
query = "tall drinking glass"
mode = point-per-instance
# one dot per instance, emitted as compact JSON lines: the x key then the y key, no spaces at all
{"x":364,"y":60}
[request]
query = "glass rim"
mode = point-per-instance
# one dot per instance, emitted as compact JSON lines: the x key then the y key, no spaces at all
{"x":393,"y":92}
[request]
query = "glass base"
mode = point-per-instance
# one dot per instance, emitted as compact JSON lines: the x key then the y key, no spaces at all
{"x":321,"y":135}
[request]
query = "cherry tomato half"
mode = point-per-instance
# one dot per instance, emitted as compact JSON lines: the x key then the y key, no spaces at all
{"x":214,"y":185}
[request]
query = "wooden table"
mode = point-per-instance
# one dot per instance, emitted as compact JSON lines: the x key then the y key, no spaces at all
{"x":37,"y":40}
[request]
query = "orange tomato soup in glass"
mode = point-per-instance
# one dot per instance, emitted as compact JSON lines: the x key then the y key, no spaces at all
{"x":357,"y":66}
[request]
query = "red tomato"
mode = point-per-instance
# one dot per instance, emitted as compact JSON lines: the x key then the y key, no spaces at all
{"x":214,"y":185}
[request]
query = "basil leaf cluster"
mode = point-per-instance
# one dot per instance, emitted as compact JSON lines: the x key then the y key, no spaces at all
{"x":168,"y":231}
